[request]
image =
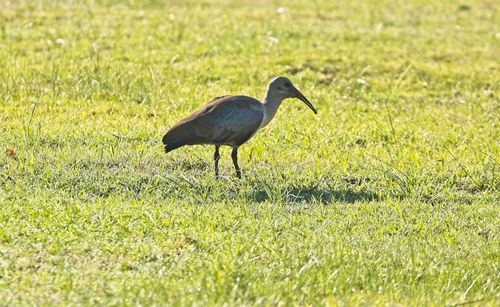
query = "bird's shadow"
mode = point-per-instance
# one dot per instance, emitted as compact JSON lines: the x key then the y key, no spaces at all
{"x":324,"y":196}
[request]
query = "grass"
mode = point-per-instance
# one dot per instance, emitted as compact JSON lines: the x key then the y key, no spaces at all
{"x":389,"y":196}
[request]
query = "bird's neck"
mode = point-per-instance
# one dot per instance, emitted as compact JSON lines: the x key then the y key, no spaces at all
{"x":270,"y":105}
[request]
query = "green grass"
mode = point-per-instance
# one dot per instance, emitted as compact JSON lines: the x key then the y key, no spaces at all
{"x":390,"y":195}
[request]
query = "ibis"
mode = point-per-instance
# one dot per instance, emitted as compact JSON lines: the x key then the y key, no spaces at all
{"x":231,"y":120}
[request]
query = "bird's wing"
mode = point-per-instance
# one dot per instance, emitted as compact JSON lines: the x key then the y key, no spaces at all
{"x":230,"y":119}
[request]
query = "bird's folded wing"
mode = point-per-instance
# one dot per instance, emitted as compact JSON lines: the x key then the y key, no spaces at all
{"x":233,"y":118}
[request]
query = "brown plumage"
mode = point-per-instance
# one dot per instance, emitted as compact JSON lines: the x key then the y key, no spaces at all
{"x":226,"y":120}
{"x":230,"y":120}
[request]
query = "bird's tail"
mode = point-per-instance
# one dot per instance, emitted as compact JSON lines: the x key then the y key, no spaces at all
{"x":179,"y":136}
{"x":169,"y":148}
{"x":168,"y":145}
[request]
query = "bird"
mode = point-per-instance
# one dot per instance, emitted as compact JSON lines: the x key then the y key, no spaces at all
{"x":231,"y":121}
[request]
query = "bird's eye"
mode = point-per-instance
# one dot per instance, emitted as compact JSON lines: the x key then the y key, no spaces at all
{"x":288,"y":84}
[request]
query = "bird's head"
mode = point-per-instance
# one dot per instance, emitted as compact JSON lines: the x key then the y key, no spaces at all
{"x":284,"y":88}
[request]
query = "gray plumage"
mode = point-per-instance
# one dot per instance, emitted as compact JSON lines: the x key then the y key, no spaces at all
{"x":230,"y":120}
{"x":226,"y":120}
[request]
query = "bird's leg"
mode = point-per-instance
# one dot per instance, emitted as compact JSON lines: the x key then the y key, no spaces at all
{"x":234,"y":155}
{"x":216,"y":161}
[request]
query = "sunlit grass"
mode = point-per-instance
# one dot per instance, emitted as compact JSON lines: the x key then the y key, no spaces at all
{"x":389,"y":195}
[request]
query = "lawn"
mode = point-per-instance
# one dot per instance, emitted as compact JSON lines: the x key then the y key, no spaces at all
{"x":390,"y":195}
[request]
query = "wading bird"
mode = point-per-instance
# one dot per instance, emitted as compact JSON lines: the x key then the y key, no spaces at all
{"x":231,"y":120}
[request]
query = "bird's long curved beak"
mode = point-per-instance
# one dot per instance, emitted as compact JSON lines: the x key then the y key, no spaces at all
{"x":299,"y":95}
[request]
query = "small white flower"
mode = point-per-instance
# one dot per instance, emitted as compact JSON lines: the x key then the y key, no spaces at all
{"x":361,"y":81}
{"x":273,"y":40}
{"x":60,"y":41}
{"x":280,"y":10}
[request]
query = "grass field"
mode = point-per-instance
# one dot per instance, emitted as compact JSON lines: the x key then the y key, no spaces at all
{"x":390,"y":195}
